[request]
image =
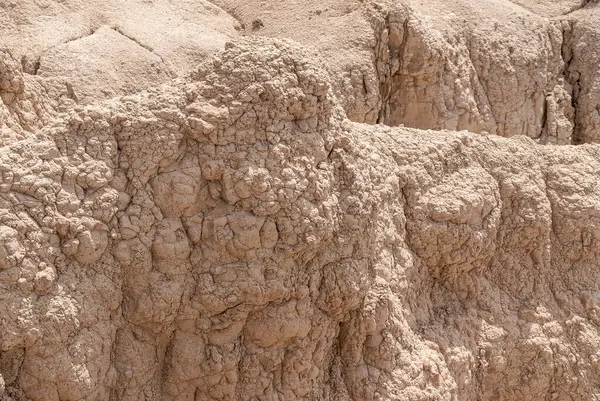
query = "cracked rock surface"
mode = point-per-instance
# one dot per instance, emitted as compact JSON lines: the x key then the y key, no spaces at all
{"x":507,"y":68}
{"x":187,"y":219}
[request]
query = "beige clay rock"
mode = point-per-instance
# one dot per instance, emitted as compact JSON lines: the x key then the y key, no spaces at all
{"x":89,"y":61}
{"x":501,"y":67}
{"x":179,"y":226}
{"x":109,"y":48}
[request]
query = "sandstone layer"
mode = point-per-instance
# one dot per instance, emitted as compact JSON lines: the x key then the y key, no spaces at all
{"x":179,"y":222}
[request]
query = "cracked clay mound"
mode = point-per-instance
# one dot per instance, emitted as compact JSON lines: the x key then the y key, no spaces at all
{"x":271,"y":201}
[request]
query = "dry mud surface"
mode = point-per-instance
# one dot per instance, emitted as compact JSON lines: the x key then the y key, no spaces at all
{"x":299,"y":200}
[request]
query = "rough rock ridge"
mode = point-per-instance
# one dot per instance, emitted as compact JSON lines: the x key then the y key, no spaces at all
{"x":506,"y":68}
{"x":521,"y":67}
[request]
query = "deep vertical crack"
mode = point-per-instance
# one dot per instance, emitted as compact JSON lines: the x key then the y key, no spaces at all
{"x":385,"y":53}
{"x":382,"y":67}
{"x":571,"y":77}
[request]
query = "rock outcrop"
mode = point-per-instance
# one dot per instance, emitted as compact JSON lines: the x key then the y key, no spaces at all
{"x":211,"y":239}
{"x":500,"y":67}
{"x":238,"y":232}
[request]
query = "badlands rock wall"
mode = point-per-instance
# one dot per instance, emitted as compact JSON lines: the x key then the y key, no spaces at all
{"x":503,"y":67}
{"x":238,"y":233}
{"x":526,"y":67}
{"x":211,"y":239}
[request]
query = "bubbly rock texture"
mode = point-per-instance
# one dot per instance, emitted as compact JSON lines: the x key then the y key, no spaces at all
{"x":176,"y":225}
{"x":231,"y":236}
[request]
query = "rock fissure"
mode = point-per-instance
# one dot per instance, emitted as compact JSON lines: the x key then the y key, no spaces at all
{"x":571,"y":76}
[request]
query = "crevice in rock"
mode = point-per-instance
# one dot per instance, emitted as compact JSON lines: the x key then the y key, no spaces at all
{"x":571,"y":77}
{"x":30,"y":67}
{"x":71,"y":92}
{"x":544,"y":129}
{"x":133,"y":39}
{"x":90,"y":32}
{"x":382,"y":67}
{"x":386,"y":53}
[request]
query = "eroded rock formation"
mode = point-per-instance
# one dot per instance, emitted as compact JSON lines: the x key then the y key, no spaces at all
{"x":232,"y":235}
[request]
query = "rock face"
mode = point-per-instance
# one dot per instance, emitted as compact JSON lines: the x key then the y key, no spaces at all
{"x":494,"y":66}
{"x":236,"y":232}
